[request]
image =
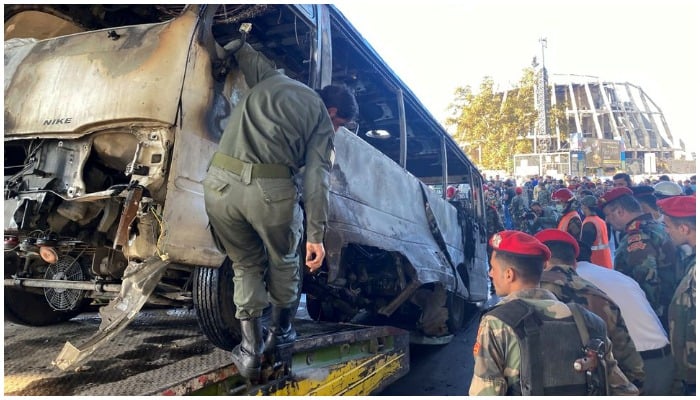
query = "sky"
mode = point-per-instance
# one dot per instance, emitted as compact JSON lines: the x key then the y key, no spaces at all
{"x":439,"y":45}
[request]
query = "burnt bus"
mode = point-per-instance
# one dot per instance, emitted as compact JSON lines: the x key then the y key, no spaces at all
{"x":112,"y":113}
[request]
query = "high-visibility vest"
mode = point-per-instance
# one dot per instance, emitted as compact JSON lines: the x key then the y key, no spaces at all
{"x":564,"y":221}
{"x":600,"y":249}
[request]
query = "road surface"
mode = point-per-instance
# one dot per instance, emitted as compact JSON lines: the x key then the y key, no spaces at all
{"x":440,"y":370}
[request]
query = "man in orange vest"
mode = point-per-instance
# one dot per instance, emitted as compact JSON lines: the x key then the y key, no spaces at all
{"x":570,"y":221}
{"x":594,"y":233}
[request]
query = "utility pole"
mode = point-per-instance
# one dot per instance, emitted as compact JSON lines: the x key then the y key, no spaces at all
{"x":542,"y":137}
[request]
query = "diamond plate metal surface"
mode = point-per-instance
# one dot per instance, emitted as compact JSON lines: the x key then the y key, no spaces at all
{"x":160,"y":347}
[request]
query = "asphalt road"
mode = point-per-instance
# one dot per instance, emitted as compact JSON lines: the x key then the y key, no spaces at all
{"x":440,"y":370}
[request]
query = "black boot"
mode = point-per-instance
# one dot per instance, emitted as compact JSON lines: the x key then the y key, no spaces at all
{"x":247,"y":354}
{"x":281,"y":330}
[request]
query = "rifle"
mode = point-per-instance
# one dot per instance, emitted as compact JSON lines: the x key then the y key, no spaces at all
{"x":593,"y":365}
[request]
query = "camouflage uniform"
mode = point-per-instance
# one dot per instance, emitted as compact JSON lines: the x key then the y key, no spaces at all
{"x":647,"y":255}
{"x":497,"y":352}
{"x":681,"y":315}
{"x":542,"y":195}
{"x":569,"y":287}
{"x":548,"y":219}
{"x":517,"y":208}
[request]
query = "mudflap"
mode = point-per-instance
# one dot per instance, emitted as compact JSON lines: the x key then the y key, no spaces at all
{"x":139,"y":281}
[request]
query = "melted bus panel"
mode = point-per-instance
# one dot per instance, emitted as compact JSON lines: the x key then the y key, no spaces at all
{"x":112,"y":114}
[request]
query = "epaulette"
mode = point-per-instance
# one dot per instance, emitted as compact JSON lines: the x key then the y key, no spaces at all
{"x":634,"y":226}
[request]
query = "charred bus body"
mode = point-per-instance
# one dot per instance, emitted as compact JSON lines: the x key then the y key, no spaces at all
{"x":112,"y":114}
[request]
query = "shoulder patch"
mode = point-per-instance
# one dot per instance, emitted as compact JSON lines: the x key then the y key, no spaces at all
{"x":477,"y":347}
{"x":634,"y":238}
{"x":636,"y":246}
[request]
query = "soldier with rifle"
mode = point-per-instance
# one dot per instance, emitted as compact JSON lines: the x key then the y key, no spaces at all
{"x":532,"y":344}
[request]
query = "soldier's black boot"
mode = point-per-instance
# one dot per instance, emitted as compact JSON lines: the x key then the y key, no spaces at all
{"x":247,"y":355}
{"x":281,"y":332}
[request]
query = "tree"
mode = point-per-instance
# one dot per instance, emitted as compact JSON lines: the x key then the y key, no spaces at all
{"x":491,"y":126}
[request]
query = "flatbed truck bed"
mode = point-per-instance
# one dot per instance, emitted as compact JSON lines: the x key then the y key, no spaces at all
{"x":163,"y":352}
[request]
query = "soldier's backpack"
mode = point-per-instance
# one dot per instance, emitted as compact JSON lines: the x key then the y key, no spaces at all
{"x":549,"y":347}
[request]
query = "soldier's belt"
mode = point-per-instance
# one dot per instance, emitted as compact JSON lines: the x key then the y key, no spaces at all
{"x":236,"y":166}
{"x":656,"y":353}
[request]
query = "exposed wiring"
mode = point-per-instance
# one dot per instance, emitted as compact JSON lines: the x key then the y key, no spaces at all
{"x":161,"y":227}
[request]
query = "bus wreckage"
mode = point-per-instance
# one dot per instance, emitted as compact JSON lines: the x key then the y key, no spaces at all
{"x":112,"y":113}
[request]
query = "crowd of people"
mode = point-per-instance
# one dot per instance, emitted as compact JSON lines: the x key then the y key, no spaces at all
{"x":611,"y":261}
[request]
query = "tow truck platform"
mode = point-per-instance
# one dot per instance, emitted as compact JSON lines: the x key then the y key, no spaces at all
{"x":163,"y":352}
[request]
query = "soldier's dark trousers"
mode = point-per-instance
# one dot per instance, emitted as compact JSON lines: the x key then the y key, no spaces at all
{"x":258,"y":221}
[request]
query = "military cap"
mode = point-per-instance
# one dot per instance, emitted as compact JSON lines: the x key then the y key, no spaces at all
{"x":589,"y":201}
{"x":519,"y":243}
{"x":613,"y":195}
{"x":678,"y":206}
{"x":665,"y":189}
{"x":557,"y":235}
{"x":642,"y":190}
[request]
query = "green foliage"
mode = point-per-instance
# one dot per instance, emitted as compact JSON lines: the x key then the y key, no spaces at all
{"x":490,"y":126}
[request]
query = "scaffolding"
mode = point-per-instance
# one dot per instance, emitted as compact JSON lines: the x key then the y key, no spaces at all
{"x":623,"y":112}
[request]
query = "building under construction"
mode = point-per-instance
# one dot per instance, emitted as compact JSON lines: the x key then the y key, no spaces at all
{"x":616,"y":127}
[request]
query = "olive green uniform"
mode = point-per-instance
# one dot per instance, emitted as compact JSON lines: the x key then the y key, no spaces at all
{"x":497,"y":354}
{"x":568,"y":287}
{"x":682,"y":325}
{"x":279,"y":126}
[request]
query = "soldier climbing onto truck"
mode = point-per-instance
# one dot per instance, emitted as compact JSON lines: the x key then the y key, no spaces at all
{"x":278,"y":127}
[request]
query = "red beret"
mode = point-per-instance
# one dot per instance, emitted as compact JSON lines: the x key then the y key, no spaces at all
{"x":519,"y":243}
{"x":556,"y":235}
{"x":613,"y":195}
{"x":678,"y":206}
{"x":451,"y":191}
{"x":518,"y":190}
